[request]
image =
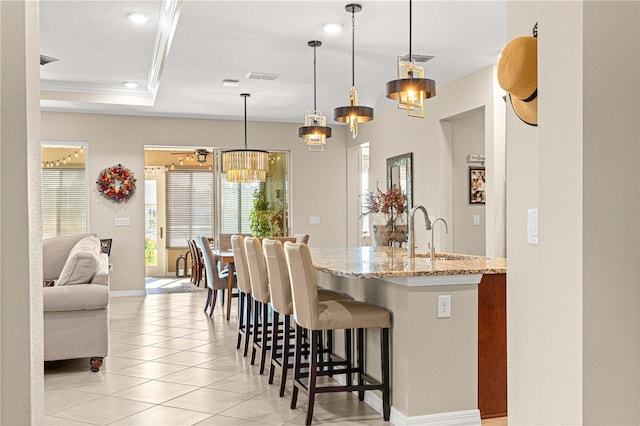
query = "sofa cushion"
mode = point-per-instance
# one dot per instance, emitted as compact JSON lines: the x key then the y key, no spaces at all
{"x":75,"y":298}
{"x":55,"y":252}
{"x":83,"y":262}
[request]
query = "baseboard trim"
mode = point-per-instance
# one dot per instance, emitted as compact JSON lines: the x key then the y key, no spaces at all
{"x":127,"y":293}
{"x":452,"y":418}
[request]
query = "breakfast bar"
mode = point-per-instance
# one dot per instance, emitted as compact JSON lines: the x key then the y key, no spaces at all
{"x":444,"y":370}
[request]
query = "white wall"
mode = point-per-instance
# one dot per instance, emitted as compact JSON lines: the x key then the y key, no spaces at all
{"x":21,"y":350}
{"x":573,"y":302}
{"x":317,"y":189}
{"x":392,"y":133}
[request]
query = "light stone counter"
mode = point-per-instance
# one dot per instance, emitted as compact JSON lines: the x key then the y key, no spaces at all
{"x":434,"y":369}
{"x":391,"y":264}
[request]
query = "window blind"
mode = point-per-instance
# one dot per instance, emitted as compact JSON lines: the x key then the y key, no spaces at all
{"x":64,"y":202}
{"x":236,"y":202}
{"x":189,"y":206}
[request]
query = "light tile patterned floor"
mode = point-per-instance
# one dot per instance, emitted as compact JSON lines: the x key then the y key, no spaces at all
{"x":169,"y":364}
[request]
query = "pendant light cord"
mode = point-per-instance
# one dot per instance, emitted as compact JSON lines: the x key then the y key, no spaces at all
{"x":245,"y":123}
{"x":410,"y":20}
{"x":353,"y":47}
{"x":315,"y":109}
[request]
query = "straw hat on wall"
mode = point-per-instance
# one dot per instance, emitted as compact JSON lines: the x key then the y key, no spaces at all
{"x":518,"y":75}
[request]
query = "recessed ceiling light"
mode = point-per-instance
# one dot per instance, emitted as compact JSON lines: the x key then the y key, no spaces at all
{"x":332,"y":28}
{"x":230,"y":83}
{"x":130,"y":84}
{"x":138,"y":18}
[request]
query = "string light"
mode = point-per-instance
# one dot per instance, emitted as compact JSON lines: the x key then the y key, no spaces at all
{"x":64,"y":160}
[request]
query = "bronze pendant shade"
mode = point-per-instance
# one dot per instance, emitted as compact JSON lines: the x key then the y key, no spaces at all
{"x":411,"y":88}
{"x":354,"y":113}
{"x":315,"y":131}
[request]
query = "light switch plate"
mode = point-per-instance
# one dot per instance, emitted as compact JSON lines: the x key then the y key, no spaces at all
{"x":476,"y":219}
{"x":314,"y":220}
{"x":123,"y":221}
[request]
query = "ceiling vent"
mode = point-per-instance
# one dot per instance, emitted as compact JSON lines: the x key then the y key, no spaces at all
{"x":261,"y":76}
{"x":417,"y":58}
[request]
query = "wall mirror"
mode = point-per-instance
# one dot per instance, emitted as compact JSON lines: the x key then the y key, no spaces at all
{"x":399,"y":172}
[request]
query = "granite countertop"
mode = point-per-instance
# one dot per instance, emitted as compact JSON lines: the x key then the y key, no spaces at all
{"x":386,"y":262}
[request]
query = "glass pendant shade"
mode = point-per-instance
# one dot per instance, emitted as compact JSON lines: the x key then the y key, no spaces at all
{"x":411,"y":88}
{"x":245,"y":165}
{"x":353,"y":114}
{"x":315,"y":131}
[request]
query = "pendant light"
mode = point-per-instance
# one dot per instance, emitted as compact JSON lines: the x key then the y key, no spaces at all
{"x":353,"y":114}
{"x":245,"y":165}
{"x":315,"y":131}
{"x":411,"y":88}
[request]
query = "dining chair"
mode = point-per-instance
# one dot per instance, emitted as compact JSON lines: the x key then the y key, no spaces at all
{"x":195,"y":262}
{"x":314,"y":316}
{"x":245,"y":300}
{"x":282,"y":305}
{"x":302,"y":238}
{"x":214,"y":281}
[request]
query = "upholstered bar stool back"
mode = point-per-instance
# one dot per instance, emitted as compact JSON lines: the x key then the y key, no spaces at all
{"x":257,"y":269}
{"x":279,"y":285}
{"x":261,"y":296}
{"x":245,"y":301}
{"x":316,"y":316}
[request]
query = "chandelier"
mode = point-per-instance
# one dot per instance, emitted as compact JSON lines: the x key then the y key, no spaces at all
{"x":245,"y":165}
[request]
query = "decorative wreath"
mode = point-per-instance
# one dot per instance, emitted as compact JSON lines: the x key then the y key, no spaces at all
{"x":116,"y":183}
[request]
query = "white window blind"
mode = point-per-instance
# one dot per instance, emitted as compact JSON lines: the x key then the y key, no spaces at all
{"x":64,"y":202}
{"x":236,"y":203}
{"x":189,"y":206}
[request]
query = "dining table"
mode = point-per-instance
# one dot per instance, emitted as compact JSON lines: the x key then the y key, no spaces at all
{"x":226,"y":256}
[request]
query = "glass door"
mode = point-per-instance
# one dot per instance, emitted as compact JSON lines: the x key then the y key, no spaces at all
{"x":155,"y":253}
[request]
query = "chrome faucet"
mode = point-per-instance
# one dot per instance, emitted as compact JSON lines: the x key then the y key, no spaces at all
{"x":433,"y":231}
{"x":411,"y":250}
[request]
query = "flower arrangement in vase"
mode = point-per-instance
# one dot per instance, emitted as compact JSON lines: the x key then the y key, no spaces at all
{"x":392,"y":204}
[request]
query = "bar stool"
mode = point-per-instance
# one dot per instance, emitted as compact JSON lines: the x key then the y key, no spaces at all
{"x":302,"y":238}
{"x":215,"y":282}
{"x":282,"y":304}
{"x":244,"y":291}
{"x":261,"y":297}
{"x":316,"y":316}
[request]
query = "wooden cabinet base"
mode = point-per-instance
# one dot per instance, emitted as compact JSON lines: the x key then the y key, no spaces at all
{"x":492,"y":346}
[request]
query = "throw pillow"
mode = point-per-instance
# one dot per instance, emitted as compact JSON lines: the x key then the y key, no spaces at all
{"x":83,"y":262}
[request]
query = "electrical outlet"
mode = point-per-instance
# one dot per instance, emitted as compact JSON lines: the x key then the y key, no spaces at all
{"x":444,"y":306}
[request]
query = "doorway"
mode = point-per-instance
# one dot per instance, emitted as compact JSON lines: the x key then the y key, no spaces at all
{"x":155,"y":253}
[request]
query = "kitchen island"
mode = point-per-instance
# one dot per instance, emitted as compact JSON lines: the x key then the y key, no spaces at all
{"x":440,"y":366}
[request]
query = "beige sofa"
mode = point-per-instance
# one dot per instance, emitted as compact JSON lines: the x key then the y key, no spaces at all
{"x":76,"y":319}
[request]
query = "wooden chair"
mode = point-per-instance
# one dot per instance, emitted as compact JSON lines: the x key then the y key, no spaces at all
{"x":315,"y":316}
{"x":214,"y":281}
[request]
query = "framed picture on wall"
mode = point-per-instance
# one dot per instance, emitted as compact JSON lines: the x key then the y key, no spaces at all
{"x":476,"y":185}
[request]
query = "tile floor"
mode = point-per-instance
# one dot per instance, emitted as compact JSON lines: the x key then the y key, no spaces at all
{"x":169,"y":364}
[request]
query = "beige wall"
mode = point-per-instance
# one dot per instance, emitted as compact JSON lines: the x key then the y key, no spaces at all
{"x":611,"y":213}
{"x":466,"y":137}
{"x":573,"y":326}
{"x":21,"y":376}
{"x":317,"y":178}
{"x":392,"y":133}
